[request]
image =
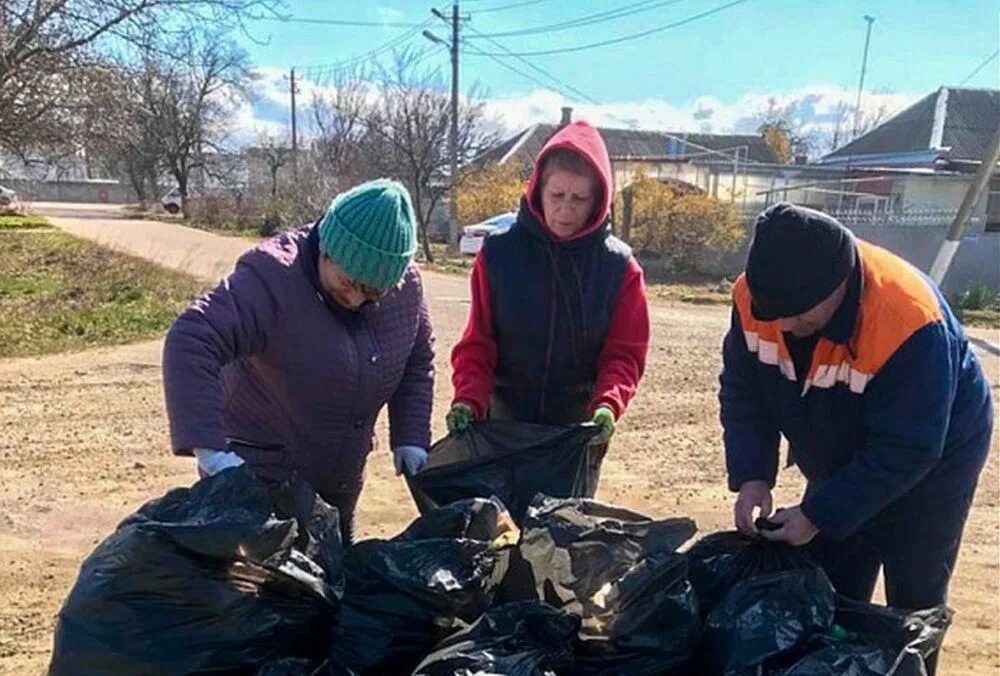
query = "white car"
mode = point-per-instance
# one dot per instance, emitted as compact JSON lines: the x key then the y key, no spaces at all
{"x":473,"y":235}
{"x":172,"y":201}
{"x":6,"y":196}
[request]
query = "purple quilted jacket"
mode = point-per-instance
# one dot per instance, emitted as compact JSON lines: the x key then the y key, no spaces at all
{"x":270,"y":367}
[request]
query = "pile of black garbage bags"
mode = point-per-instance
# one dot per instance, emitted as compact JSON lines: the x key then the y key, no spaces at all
{"x":236,"y":575}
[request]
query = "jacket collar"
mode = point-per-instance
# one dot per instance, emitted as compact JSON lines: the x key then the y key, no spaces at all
{"x":527,"y":219}
{"x":841,"y":327}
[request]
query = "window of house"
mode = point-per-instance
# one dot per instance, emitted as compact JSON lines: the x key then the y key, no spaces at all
{"x":872,"y":204}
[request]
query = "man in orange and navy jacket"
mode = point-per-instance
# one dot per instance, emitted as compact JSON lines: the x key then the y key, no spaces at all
{"x":856,"y":359}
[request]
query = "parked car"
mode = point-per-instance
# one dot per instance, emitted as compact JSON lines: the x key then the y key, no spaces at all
{"x":6,"y":196}
{"x":473,"y":235}
{"x":172,"y":201}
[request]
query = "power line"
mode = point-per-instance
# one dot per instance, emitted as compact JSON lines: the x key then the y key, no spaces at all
{"x":336,"y":22}
{"x":327,"y":68}
{"x":981,"y":66}
{"x":600,"y":17}
{"x":502,"y":8}
{"x":626,"y":38}
{"x":534,"y":67}
{"x":512,"y":68}
{"x":423,"y":56}
{"x":547,"y":85}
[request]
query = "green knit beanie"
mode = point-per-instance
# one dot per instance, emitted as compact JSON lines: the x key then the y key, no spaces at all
{"x":369,"y":232}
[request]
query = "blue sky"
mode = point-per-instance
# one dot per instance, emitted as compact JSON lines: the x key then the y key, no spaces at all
{"x":714,"y":73}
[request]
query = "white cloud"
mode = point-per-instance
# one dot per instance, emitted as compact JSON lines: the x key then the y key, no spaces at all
{"x":389,"y":14}
{"x":814,"y":108}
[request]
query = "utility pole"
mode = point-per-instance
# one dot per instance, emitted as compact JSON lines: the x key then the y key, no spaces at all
{"x":973,"y":196}
{"x":295,"y":138}
{"x":453,"y":47}
{"x":861,"y":82}
{"x":453,"y":133}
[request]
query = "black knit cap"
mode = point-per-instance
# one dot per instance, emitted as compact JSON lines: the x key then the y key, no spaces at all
{"x":797,"y":259}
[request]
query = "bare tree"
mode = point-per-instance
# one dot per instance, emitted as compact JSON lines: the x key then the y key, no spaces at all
{"x":407,"y":133}
{"x":275,"y":152}
{"x":45,"y":45}
{"x":783,"y":130}
{"x":338,"y":126}
{"x":120,"y":132}
{"x":191,"y":103}
{"x":867,"y":120}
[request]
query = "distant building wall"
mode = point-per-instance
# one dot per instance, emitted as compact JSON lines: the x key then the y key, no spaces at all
{"x":110,"y":192}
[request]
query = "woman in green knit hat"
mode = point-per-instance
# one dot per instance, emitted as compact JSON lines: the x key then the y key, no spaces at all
{"x":286,"y":364}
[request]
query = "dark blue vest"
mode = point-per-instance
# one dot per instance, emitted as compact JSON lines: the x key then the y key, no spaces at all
{"x":552,"y":303}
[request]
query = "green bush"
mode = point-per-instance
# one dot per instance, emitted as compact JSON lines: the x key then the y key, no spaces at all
{"x":978,"y":296}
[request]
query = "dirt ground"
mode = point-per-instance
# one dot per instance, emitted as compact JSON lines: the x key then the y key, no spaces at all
{"x":83,"y":443}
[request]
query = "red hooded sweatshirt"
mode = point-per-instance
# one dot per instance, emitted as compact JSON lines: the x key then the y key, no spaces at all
{"x":621,"y":358}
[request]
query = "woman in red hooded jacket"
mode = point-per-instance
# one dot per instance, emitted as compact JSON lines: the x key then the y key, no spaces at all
{"x":559,"y":326}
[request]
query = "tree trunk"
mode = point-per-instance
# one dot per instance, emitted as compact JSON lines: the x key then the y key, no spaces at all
{"x":422,"y":218}
{"x":153,"y":182}
{"x":182,"y":188}
{"x":626,"y":232}
{"x":139,"y":186}
{"x":425,"y":239}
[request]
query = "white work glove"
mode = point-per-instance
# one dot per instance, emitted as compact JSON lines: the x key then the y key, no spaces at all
{"x":212,"y":461}
{"x":409,"y":458}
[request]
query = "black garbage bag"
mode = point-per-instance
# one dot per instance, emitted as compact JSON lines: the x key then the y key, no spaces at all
{"x":512,"y":461}
{"x":618,"y":572}
{"x":763,"y":617}
{"x":857,"y":660}
{"x":721,"y":560}
{"x":871,"y":640}
{"x":647,"y":622}
{"x":293,"y":666}
{"x":228,"y":574}
{"x":403,"y":596}
{"x":526,"y":638}
{"x":574,"y":547}
{"x":474,"y":519}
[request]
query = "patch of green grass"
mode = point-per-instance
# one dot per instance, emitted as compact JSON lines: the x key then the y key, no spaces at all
{"x":694,"y":294}
{"x":983,"y":319}
{"x":452,"y":264}
{"x":227,"y":229}
{"x":60,"y":293}
{"x":23,"y":222}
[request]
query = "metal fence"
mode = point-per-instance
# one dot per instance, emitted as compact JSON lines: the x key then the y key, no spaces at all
{"x":908,"y":218}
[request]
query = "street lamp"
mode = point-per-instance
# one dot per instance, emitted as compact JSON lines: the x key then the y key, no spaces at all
{"x":433,"y":38}
{"x":453,"y":127}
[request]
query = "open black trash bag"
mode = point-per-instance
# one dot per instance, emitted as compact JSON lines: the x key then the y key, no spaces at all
{"x":870,"y":640}
{"x":228,"y":574}
{"x":512,"y":461}
{"x":404,"y":595}
{"x":762,"y":617}
{"x":575,"y":546}
{"x":473,"y":519}
{"x":527,"y":638}
{"x":721,"y":560}
{"x":646,"y":623}
{"x":618,"y":572}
